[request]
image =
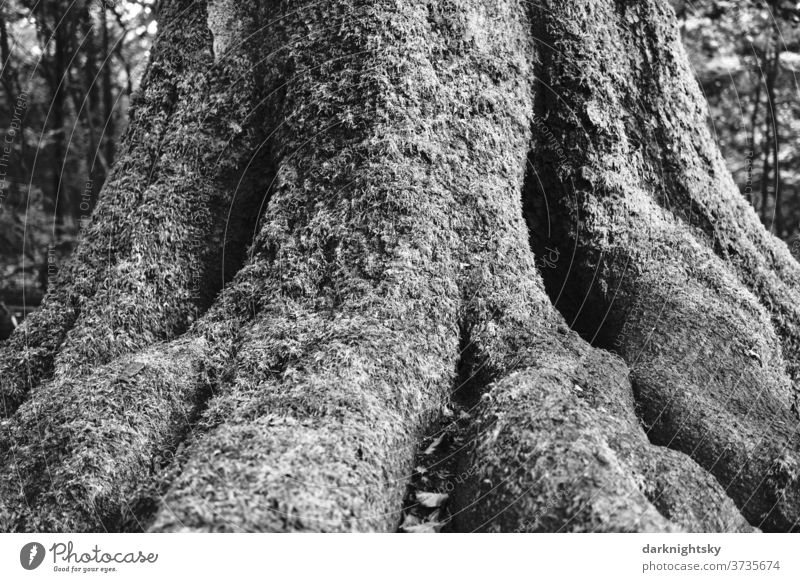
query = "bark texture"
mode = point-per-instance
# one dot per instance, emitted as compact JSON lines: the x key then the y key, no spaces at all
{"x":666,"y":263}
{"x":396,"y":124}
{"x":391,"y":272}
{"x":177,"y":197}
{"x":171,"y":226}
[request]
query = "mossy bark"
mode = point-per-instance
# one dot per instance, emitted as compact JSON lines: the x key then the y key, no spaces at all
{"x":179,"y":196}
{"x":172,"y":224}
{"x":665,"y":262}
{"x":400,"y":118}
{"x":390,"y":273}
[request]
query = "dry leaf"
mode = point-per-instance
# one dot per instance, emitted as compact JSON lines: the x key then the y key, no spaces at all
{"x":427,"y":527}
{"x":434,"y":445}
{"x":410,"y":521}
{"x":132,"y":369}
{"x":431,"y":500}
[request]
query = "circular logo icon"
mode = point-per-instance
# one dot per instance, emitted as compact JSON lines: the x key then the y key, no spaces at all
{"x":31,"y":555}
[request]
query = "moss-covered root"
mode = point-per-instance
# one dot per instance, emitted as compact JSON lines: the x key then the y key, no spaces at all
{"x":541,"y":462}
{"x":94,"y":452}
{"x":686,"y":494}
{"x":701,"y":302}
{"x":167,"y":201}
{"x":508,"y":324}
{"x":320,"y":429}
{"x":408,"y":117}
{"x":557,"y":447}
{"x":710,"y":380}
{"x":85,"y":454}
{"x":706,"y":366}
{"x":699,"y":188}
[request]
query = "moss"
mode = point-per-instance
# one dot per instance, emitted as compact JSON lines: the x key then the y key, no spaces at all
{"x":90,"y":466}
{"x":148,"y":265}
{"x":557,"y":447}
{"x":669,"y":267}
{"x":355,"y":352}
{"x":174,"y":197}
{"x":390,"y":272}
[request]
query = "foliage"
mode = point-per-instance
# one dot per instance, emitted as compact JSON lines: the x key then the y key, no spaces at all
{"x":68,"y":72}
{"x":746,"y":54}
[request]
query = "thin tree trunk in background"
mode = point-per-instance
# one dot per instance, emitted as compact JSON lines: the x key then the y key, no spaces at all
{"x":752,"y":140}
{"x":10,"y":79}
{"x":108,"y":100}
{"x":84,"y":92}
{"x":121,"y":57}
{"x":11,"y":84}
{"x":59,"y":195}
{"x":769,"y":135}
{"x":777,"y":225}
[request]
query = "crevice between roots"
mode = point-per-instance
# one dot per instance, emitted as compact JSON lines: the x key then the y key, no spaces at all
{"x":439,"y":467}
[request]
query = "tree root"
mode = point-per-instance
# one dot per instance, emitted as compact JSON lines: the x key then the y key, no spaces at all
{"x":667,"y":268}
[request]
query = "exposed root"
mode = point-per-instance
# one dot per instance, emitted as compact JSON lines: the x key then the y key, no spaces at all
{"x":85,"y":453}
{"x":558,"y":448}
{"x":663,"y":262}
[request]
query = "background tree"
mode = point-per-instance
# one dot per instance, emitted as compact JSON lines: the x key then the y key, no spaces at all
{"x":746,"y":56}
{"x":68,"y":71}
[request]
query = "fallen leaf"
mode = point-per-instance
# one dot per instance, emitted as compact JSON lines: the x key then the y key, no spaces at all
{"x":754,"y":354}
{"x":434,"y":445}
{"x":427,"y":527}
{"x":431,"y":500}
{"x":410,"y":521}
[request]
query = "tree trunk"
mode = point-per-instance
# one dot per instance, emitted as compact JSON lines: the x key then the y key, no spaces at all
{"x":109,"y":129}
{"x":179,"y":196}
{"x":770,"y":134}
{"x":391,"y":273}
{"x":669,"y":266}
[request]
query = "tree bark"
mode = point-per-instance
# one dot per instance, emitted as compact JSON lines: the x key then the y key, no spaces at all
{"x":391,"y":272}
{"x":170,"y":228}
{"x":178,"y":196}
{"x":670,"y":268}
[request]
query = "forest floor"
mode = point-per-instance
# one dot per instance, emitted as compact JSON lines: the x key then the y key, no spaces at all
{"x":426,"y":507}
